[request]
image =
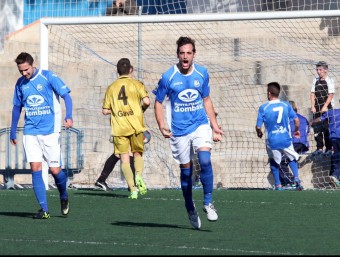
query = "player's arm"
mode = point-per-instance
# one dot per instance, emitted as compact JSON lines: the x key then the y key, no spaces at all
{"x":312,"y":102}
{"x":68,"y":121}
{"x":16,"y":111}
{"x":259,"y":131}
{"x":145,"y":103}
{"x":159,"y":114}
{"x":106,"y":111}
{"x":328,"y":101}
{"x":297,"y":127}
{"x":209,"y":108}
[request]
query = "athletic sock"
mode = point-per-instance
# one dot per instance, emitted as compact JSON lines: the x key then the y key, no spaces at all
{"x":186,"y":186}
{"x":206,"y":176}
{"x":60,"y":180}
{"x":39,"y":189}
{"x":274,"y":167}
{"x":295,"y":168}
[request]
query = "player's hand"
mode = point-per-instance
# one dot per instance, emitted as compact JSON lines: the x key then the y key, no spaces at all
{"x":312,"y":109}
{"x":297,"y":134}
{"x":166,"y":132}
{"x":324,"y":109}
{"x":68,"y":123}
{"x":259,"y":134}
{"x":13,"y":141}
{"x":217,"y":134}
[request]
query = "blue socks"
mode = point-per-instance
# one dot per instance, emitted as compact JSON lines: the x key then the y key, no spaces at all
{"x":60,"y":181}
{"x":186,"y":185}
{"x":274,"y":167}
{"x":207,"y":177}
{"x":295,"y":168}
{"x":39,"y":189}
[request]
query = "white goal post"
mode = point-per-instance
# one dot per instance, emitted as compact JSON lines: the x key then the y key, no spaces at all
{"x":243,"y":52}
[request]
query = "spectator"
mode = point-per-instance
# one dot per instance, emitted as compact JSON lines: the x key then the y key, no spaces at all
{"x":38,"y":92}
{"x":321,"y":97}
{"x":185,"y":86}
{"x":123,"y":102}
{"x":301,"y":146}
{"x":276,"y":116}
{"x":332,"y":116}
{"x":122,"y":7}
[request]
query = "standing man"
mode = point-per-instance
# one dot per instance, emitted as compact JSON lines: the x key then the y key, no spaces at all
{"x":123,"y":102}
{"x":321,"y":98}
{"x":191,"y":122}
{"x":38,"y":92}
{"x":276,"y":116}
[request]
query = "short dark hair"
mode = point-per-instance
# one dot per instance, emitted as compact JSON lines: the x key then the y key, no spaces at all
{"x":24,"y":57}
{"x":274,"y":89}
{"x":322,"y":64}
{"x":124,"y":66}
{"x":185,"y":40}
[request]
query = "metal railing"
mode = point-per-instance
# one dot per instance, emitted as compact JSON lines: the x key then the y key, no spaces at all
{"x":13,"y":161}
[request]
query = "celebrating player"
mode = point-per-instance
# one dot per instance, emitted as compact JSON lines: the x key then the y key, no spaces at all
{"x":186,"y":87}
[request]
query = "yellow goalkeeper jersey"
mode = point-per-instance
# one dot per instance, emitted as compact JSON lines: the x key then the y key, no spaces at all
{"x":123,"y":97}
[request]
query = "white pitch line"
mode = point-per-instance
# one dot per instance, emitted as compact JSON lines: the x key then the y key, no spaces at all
{"x":145,"y":245}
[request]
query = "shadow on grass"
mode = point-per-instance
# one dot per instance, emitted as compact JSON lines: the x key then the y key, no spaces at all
{"x":152,"y":225}
{"x":103,"y":194}
{"x":17,"y":214}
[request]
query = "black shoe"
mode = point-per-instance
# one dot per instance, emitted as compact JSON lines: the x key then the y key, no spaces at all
{"x":102,"y":185}
{"x":41,"y":215}
{"x":65,"y":207}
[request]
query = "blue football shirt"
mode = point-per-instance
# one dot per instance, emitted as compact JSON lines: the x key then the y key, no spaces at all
{"x":333,"y":116}
{"x":276,"y":116}
{"x":304,"y":130}
{"x":184,"y":94}
{"x":39,"y":96}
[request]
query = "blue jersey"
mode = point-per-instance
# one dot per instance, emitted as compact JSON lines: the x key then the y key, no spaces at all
{"x":39,"y":96}
{"x":276,"y":116}
{"x":333,"y":117}
{"x":304,"y":131}
{"x":185,"y":93}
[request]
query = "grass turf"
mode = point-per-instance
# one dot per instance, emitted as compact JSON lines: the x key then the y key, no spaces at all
{"x":251,"y":222}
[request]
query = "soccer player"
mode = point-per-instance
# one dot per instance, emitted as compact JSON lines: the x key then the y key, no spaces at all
{"x":123,"y":102}
{"x":332,"y":116}
{"x":301,"y":144}
{"x":321,"y":98}
{"x":38,"y":92}
{"x":185,"y":86}
{"x":276,"y":116}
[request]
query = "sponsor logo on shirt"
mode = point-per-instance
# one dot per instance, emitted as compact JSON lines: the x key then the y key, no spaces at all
{"x":178,"y":83}
{"x":191,"y":104}
{"x":35,"y":100}
{"x":34,"y":108}
{"x":188,"y":95}
{"x":279,"y":130}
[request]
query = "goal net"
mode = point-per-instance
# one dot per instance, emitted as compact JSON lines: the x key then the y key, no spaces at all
{"x":242,"y":53}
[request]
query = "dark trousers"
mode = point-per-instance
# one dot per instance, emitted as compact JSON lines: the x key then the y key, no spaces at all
{"x":321,"y":133}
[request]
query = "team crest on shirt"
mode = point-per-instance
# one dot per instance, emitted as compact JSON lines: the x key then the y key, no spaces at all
{"x":196,"y":83}
{"x":188,"y":95}
{"x":39,"y":87}
{"x":35,"y":100}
